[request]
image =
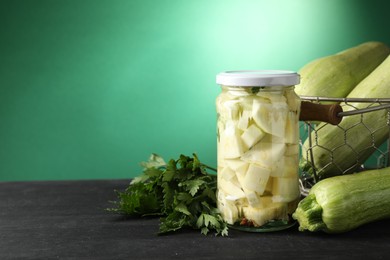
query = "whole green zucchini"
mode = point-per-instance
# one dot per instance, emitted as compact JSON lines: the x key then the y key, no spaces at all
{"x":343,"y":203}
{"x":336,"y":75}
{"x":343,"y":148}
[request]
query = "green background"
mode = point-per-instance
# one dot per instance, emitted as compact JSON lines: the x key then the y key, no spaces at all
{"x":89,"y":88}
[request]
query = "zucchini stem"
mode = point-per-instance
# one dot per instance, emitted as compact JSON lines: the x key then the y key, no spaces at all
{"x":309,"y":215}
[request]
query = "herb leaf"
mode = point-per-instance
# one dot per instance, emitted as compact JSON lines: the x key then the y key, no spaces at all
{"x":181,"y":191}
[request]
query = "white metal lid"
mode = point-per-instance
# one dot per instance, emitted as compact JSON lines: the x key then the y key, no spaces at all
{"x":258,"y":78}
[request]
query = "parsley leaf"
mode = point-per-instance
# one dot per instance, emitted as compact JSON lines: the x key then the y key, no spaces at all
{"x":181,"y":191}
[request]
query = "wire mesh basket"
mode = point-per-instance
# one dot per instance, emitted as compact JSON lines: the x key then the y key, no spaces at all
{"x":373,"y":154}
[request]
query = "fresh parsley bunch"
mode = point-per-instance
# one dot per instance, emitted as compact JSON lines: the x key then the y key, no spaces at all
{"x":180,"y":191}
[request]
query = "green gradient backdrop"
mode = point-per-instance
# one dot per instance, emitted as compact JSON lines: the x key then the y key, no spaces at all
{"x":90,"y":88}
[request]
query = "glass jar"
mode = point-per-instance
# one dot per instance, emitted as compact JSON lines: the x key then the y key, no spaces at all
{"x":257,"y":149}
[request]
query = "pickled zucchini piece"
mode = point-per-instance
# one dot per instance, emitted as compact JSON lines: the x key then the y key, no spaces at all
{"x":231,"y":145}
{"x":261,"y":216}
{"x":237,"y":165}
{"x":291,"y":149}
{"x":270,"y":117}
{"x":292,"y":129}
{"x":243,"y":121}
{"x":229,"y":210}
{"x":252,"y":135}
{"x":285,"y":189}
{"x":227,"y":173}
{"x":265,"y":154}
{"x":256,"y":178}
{"x":286,"y":167}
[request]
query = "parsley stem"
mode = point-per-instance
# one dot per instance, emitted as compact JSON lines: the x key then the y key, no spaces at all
{"x":209,"y":167}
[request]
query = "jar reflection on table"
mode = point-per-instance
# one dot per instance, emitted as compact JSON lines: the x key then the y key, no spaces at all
{"x":258,"y":153}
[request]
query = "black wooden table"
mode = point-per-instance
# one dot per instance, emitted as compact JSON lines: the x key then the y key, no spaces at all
{"x":66,"y":219}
